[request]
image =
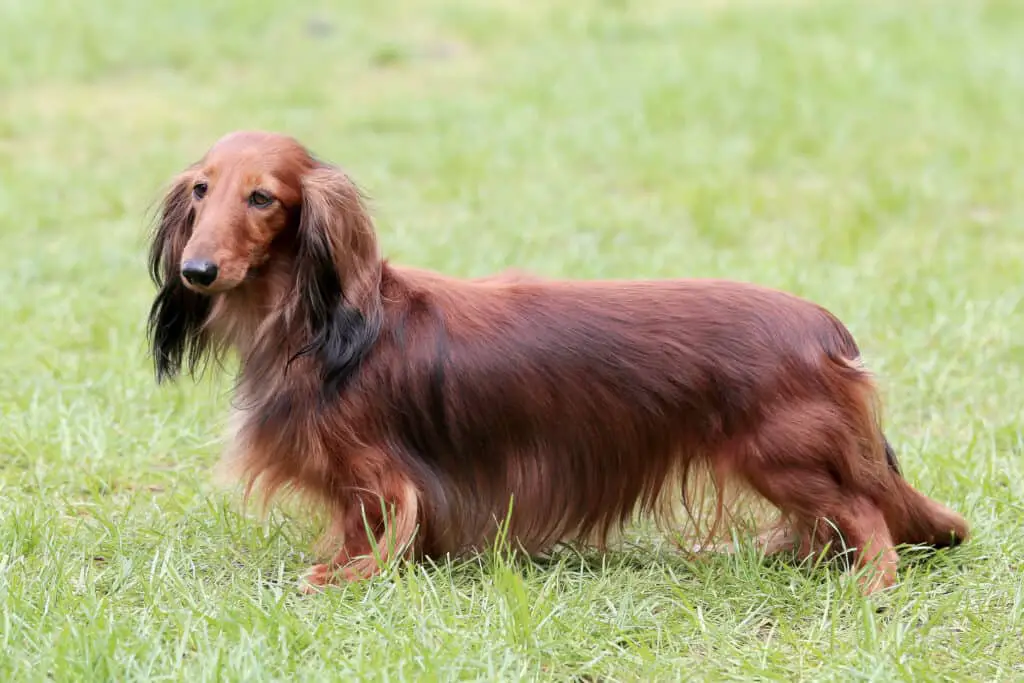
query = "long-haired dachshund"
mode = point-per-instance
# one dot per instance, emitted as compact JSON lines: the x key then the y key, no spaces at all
{"x":428,"y":414}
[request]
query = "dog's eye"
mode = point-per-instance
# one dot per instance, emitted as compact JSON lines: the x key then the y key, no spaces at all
{"x":199,"y":190}
{"x":260,"y":199}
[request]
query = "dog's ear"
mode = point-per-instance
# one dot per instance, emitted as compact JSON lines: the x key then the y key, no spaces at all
{"x":176,"y":318}
{"x":339,"y":274}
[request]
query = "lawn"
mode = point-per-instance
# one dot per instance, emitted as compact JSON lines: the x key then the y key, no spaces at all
{"x":867,"y":155}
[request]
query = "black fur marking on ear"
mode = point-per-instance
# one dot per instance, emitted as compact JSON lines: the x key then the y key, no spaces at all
{"x":341,"y":335}
{"x":176,"y":318}
{"x":175,"y":329}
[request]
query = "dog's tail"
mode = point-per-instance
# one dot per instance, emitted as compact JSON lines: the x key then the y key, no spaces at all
{"x":912,"y":517}
{"x":916,"y":519}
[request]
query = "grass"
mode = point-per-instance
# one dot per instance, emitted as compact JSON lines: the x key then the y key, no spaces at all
{"x":864,"y":154}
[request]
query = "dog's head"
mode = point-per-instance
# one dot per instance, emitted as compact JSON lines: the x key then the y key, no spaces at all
{"x":258,"y":203}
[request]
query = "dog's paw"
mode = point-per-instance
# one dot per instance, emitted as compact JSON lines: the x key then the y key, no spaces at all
{"x":315,"y":579}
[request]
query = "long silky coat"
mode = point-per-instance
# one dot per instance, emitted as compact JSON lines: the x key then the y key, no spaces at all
{"x":420,"y":407}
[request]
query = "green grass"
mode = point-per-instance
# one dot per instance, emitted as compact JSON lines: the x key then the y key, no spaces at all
{"x":867,"y":155}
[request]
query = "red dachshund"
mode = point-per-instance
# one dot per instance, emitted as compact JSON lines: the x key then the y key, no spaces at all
{"x":427,"y":412}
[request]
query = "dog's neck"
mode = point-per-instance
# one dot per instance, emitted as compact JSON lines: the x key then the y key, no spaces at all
{"x":266,"y":324}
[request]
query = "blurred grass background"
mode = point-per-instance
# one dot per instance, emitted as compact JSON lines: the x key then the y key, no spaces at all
{"x":866,"y":155}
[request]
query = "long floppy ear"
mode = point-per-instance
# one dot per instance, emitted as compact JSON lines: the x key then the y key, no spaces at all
{"x":176,"y":318}
{"x":339,"y":274}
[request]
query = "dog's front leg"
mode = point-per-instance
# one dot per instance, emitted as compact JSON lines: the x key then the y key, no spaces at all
{"x":372,"y":530}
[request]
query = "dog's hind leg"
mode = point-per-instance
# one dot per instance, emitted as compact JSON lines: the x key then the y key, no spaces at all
{"x":799,"y":460}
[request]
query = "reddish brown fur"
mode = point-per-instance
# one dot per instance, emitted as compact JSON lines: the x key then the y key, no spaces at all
{"x":364,"y":383}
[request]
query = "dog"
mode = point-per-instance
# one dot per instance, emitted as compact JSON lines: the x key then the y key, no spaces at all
{"x":427,"y":414}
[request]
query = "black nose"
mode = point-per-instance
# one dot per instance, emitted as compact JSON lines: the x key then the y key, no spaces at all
{"x":199,"y":272}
